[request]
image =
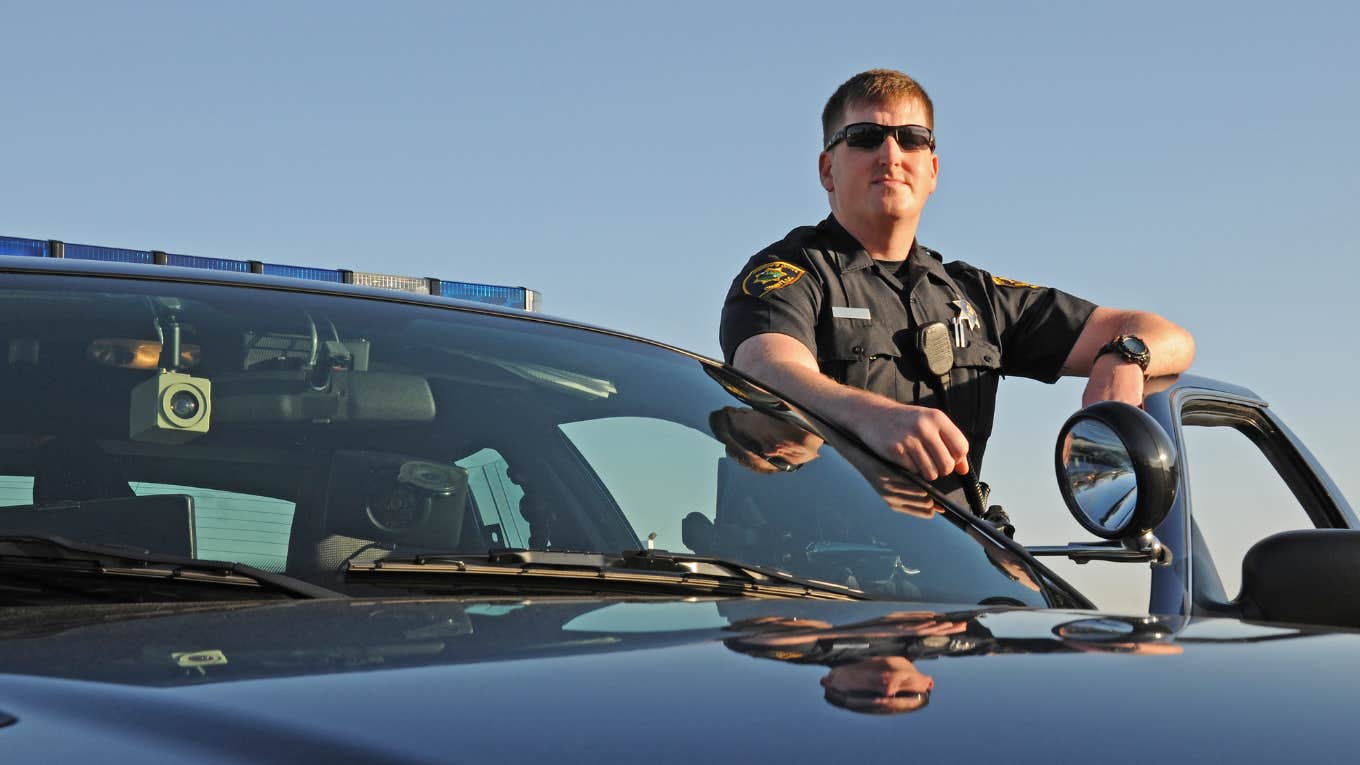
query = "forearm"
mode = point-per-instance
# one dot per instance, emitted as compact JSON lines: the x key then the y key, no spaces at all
{"x":1171,"y":347}
{"x":801,"y":380}
{"x":920,"y":439}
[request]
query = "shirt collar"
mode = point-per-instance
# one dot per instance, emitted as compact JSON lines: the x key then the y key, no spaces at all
{"x":850,"y":253}
{"x":852,"y":256}
{"x":930,"y":260}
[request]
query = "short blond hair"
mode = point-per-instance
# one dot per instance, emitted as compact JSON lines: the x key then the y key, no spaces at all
{"x":874,"y":87}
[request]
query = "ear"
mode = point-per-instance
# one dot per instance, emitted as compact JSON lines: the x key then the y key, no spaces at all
{"x":934,"y":171}
{"x":824,"y":170}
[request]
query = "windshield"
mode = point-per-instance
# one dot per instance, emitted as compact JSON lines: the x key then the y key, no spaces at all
{"x":300,"y":433}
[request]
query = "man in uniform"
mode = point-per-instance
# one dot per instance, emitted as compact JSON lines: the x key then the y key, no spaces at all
{"x":834,"y":314}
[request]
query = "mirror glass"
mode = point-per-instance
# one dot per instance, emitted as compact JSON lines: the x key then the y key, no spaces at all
{"x":1099,"y":474}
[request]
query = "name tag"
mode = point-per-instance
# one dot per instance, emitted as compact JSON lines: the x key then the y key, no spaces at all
{"x":846,"y":312}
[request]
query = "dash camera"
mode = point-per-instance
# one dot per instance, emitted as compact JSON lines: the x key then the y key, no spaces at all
{"x":170,"y":408}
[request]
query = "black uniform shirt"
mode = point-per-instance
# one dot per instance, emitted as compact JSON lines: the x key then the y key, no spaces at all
{"x":819,"y":286}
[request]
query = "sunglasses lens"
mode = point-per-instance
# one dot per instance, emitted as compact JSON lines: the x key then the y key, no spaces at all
{"x":913,"y":137}
{"x":865,"y":135}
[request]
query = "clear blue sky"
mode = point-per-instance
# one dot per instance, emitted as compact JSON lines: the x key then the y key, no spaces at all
{"x":1195,"y":159}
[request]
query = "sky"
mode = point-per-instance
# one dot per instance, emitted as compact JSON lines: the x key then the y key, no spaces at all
{"x":624,"y":159}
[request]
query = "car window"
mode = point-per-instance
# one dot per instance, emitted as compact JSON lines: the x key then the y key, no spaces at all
{"x":672,"y":474}
{"x":16,"y":490}
{"x":496,"y":498}
{"x":1236,"y":495}
{"x":234,"y":526}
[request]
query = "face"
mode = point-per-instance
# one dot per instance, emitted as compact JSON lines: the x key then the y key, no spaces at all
{"x":879,"y":187}
{"x":882,"y":684}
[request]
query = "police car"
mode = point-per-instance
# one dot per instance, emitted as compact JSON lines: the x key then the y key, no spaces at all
{"x":250,"y":516}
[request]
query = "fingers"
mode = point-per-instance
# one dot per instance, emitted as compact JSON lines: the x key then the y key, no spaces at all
{"x":917,"y":509}
{"x":932,"y":443}
{"x":941,"y":628}
{"x":907,"y":499}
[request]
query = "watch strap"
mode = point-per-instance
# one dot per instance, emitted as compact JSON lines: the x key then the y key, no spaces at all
{"x":1117,"y":346}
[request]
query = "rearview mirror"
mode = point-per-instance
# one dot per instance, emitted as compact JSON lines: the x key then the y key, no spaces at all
{"x":1117,"y":470}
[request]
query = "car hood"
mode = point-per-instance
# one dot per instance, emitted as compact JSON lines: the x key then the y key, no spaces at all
{"x":438,"y":680}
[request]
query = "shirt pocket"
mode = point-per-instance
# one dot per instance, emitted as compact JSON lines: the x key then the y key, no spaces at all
{"x":854,"y":351}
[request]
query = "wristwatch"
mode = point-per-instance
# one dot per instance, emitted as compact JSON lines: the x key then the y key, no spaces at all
{"x":1130,"y":348}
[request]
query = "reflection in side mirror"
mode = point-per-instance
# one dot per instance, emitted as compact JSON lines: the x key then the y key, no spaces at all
{"x":1100,"y":475}
{"x":1117,"y":470}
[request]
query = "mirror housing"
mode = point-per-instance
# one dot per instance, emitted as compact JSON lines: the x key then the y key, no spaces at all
{"x":1305,"y":577}
{"x":1117,"y":469}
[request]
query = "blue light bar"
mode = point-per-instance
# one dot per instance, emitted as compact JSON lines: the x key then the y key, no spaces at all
{"x":510,"y":297}
{"x":305,"y":272}
{"x":212,"y":264}
{"x":30,"y":247}
{"x":110,"y":254}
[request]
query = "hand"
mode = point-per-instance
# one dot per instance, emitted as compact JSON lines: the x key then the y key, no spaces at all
{"x":906,"y":498}
{"x":922,"y":440}
{"x":1114,"y":379}
{"x":921,"y":623}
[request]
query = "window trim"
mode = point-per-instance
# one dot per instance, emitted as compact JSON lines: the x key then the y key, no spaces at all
{"x":1299,"y":471}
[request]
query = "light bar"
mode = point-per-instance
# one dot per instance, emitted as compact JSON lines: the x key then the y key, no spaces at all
{"x":24,"y":247}
{"x":305,"y":272}
{"x":389,"y":282}
{"x":212,"y":264}
{"x":510,"y":297}
{"x":107,"y":254}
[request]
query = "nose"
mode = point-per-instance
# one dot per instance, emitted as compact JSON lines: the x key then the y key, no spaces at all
{"x":890,"y":149}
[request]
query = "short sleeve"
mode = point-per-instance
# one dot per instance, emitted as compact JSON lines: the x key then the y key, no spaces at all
{"x":776,"y":293}
{"x":1038,"y":326}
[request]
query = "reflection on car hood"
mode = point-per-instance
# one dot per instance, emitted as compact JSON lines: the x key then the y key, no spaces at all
{"x":585,"y":680}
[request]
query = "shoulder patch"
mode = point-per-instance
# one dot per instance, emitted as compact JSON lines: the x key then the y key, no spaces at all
{"x":769,"y":277}
{"x":1002,"y":281}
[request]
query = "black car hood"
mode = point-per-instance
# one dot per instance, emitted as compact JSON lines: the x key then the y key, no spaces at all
{"x":597,"y":680}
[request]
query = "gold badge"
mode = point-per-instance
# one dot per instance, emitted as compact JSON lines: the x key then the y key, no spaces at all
{"x":770,"y":277}
{"x":1002,"y":281}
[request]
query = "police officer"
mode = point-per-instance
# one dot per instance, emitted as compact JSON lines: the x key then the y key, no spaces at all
{"x":833,"y":314}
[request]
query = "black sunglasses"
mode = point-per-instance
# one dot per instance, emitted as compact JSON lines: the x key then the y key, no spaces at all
{"x":870,"y":135}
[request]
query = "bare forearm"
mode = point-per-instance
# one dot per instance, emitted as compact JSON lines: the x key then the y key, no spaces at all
{"x":920,"y":439}
{"x":1171,"y":347}
{"x":1115,"y":378}
{"x":803,"y":381}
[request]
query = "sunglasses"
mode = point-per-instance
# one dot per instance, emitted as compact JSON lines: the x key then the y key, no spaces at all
{"x":870,"y":135}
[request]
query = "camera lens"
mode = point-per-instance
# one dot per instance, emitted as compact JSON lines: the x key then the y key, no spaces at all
{"x":184,"y":404}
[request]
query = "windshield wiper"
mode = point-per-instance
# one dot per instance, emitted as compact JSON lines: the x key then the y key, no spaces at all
{"x":31,"y":554}
{"x":646,"y":569}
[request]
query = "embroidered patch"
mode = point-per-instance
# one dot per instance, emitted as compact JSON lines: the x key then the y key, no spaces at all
{"x":1002,"y":281}
{"x":770,"y":277}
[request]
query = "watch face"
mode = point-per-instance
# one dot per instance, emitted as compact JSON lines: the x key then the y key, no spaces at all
{"x":1133,"y":345}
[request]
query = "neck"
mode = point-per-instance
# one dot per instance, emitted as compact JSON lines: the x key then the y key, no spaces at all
{"x":892,"y":242}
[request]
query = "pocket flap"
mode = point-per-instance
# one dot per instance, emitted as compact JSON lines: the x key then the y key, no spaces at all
{"x":979,"y":353}
{"x":854,"y":343}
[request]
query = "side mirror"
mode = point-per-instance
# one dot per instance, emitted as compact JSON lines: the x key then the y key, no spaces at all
{"x":1117,"y":469}
{"x":1306,"y":577}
